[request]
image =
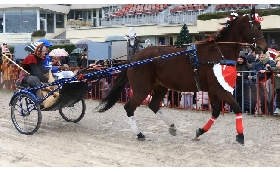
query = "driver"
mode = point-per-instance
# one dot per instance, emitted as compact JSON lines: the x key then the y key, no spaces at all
{"x":33,"y":64}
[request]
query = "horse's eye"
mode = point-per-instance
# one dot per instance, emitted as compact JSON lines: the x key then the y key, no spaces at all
{"x":259,"y":27}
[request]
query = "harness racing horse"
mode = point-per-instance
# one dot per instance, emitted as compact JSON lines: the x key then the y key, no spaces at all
{"x":188,"y":74}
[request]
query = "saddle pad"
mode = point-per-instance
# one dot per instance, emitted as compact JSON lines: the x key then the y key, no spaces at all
{"x":226,"y":76}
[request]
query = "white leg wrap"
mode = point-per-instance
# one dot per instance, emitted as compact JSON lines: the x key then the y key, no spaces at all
{"x":165,"y":118}
{"x":132,"y":122}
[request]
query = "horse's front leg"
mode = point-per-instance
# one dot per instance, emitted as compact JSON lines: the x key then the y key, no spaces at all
{"x":228,"y":98}
{"x":216,"y":104}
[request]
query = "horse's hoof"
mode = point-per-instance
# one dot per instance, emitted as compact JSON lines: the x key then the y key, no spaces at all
{"x":240,"y":139}
{"x":141,"y":137}
{"x":195,"y":139}
{"x":199,"y":132}
{"x":173,"y":130}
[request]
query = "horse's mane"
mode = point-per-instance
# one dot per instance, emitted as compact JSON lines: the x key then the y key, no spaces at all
{"x":227,"y":27}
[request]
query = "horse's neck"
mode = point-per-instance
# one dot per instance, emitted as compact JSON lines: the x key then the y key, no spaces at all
{"x":230,"y":36}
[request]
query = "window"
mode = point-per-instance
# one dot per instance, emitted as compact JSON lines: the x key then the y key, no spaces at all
{"x":49,"y":16}
{"x":1,"y":22}
{"x":59,"y":20}
{"x":50,"y":22}
{"x":161,"y":40}
{"x":71,"y":15}
{"x":78,"y":15}
{"x":20,"y":21}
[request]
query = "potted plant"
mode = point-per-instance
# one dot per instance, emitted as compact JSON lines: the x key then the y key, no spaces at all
{"x":38,"y":34}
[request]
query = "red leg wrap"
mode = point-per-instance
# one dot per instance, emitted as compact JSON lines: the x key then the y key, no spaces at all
{"x":239,"y":123}
{"x":208,"y":125}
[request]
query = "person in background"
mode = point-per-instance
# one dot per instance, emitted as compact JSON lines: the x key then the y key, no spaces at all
{"x":5,"y":48}
{"x":9,"y":73}
{"x":82,"y":62}
{"x":55,"y":61}
{"x":6,"y":67}
{"x":274,"y":45}
{"x":59,"y":74}
{"x":265,"y":87}
{"x":276,"y":73}
{"x":47,"y":62}
{"x":242,"y":68}
{"x":251,"y":57}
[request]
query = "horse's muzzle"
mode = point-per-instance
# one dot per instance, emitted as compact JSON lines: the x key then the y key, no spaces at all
{"x":259,"y":50}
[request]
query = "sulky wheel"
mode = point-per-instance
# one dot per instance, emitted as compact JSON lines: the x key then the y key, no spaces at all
{"x":26,"y":114}
{"x":74,"y":112}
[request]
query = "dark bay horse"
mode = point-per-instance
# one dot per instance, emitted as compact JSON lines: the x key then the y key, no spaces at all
{"x":182,"y":74}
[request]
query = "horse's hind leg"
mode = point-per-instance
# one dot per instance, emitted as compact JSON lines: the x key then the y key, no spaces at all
{"x":159,"y":93}
{"x":130,"y":107}
{"x":216,"y":106}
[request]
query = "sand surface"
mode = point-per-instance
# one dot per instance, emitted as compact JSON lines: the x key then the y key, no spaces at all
{"x":106,"y":140}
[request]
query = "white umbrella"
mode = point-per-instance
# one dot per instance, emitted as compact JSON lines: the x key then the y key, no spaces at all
{"x":58,"y":53}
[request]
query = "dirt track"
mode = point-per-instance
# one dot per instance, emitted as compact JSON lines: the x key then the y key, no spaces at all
{"x":105,"y":139}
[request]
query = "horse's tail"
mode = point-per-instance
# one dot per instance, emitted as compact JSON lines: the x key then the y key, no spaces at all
{"x":115,"y":92}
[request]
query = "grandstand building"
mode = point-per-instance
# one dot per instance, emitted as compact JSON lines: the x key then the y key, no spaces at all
{"x":156,"y":22}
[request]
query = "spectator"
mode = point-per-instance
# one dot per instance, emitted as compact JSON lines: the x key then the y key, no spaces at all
{"x":277,"y":83}
{"x":265,"y":90}
{"x":5,"y":48}
{"x":274,"y":45}
{"x":78,"y":60}
{"x":242,"y":80}
{"x":56,"y":61}
{"x":59,"y":74}
{"x":9,"y":72}
{"x":83,"y":61}
{"x":251,"y":57}
{"x":47,"y":62}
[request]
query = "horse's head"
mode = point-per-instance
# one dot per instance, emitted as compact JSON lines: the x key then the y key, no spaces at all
{"x":253,"y":33}
{"x":246,"y":29}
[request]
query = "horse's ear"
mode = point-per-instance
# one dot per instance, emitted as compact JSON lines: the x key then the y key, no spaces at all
{"x":253,"y":12}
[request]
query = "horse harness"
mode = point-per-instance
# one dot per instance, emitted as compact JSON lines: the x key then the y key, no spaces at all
{"x":257,"y":19}
{"x":191,"y":52}
{"x":194,"y":60}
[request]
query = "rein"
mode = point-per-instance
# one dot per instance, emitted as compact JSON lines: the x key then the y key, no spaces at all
{"x":134,"y":51}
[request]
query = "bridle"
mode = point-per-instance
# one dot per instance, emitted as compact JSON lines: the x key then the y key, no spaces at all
{"x":251,"y":21}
